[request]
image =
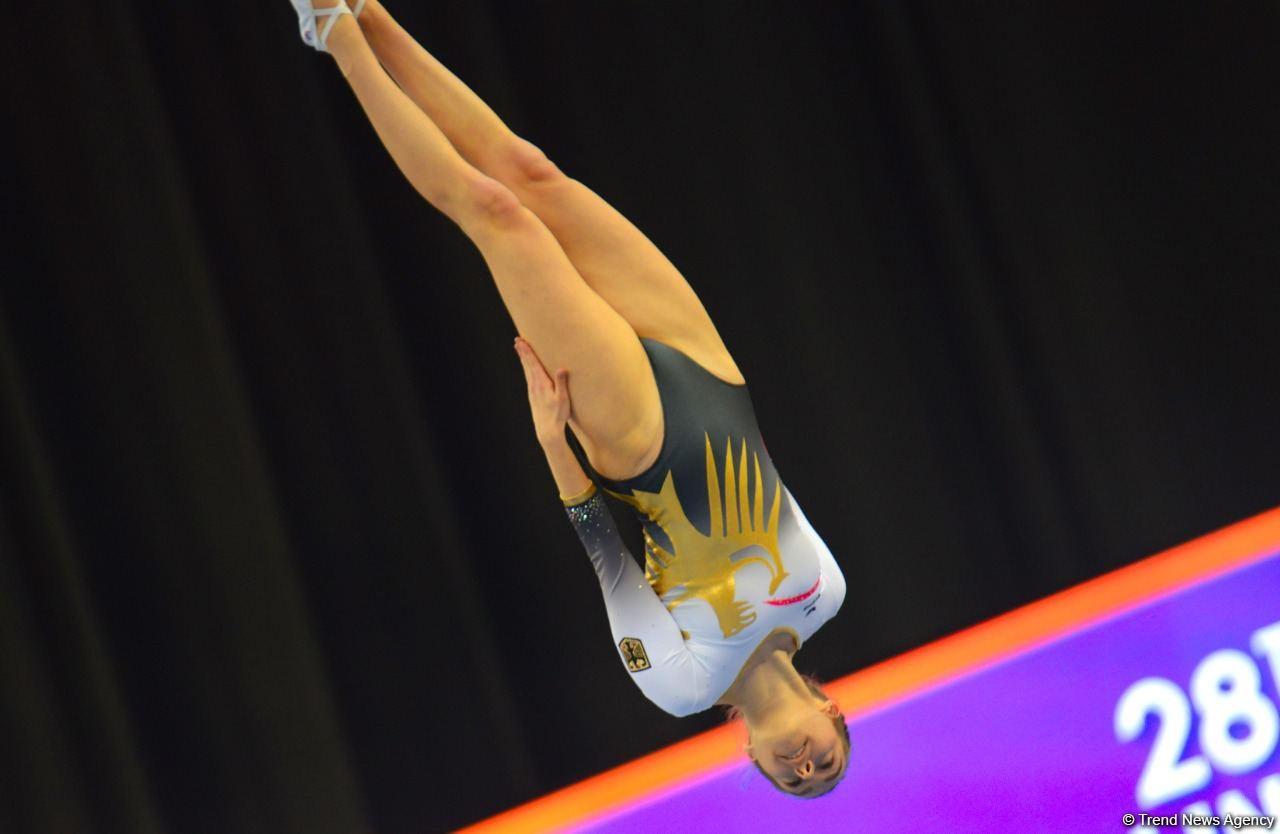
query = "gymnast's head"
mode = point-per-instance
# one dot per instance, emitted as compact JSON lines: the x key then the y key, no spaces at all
{"x":801,"y":745}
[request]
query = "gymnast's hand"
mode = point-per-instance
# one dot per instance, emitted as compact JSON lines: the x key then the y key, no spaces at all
{"x":548,"y":397}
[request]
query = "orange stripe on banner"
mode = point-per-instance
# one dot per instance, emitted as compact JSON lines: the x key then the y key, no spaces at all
{"x":901,"y":676}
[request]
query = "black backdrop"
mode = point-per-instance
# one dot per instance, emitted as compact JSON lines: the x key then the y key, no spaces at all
{"x":279,"y":551}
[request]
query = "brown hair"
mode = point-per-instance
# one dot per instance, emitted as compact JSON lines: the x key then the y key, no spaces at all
{"x":733,"y":713}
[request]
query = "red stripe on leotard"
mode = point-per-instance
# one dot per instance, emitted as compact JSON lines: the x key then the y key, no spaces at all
{"x":792,"y":600}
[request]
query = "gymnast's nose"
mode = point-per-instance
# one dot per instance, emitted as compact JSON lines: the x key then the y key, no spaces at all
{"x":805,"y":770}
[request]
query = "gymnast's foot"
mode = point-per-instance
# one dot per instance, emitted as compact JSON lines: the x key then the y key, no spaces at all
{"x":316,"y":21}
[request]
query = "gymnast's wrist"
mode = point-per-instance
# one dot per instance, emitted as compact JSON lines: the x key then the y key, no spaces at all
{"x":552,"y":439}
{"x":581,"y":497}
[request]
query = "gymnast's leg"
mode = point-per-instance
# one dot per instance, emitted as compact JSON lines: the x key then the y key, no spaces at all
{"x":616,"y":410}
{"x":611,"y":254}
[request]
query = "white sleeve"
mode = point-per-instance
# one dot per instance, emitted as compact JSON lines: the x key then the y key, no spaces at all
{"x":832,"y":589}
{"x":645,"y":635}
{"x":832,"y":584}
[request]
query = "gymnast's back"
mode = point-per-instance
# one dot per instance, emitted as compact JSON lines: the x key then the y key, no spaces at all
{"x":730,"y":558}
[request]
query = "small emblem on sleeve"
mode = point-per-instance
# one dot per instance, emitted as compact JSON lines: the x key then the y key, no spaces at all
{"x":633,"y":654}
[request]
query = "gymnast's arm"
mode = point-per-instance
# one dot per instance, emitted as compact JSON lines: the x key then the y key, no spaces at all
{"x":646,"y":637}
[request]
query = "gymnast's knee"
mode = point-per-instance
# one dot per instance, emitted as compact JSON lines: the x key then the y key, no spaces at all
{"x":489,"y":201}
{"x":530,"y":167}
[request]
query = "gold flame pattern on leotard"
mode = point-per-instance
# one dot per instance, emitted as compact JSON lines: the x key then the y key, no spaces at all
{"x":703,"y":566}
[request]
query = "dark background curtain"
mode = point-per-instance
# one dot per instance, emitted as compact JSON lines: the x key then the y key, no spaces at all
{"x":278,"y":552}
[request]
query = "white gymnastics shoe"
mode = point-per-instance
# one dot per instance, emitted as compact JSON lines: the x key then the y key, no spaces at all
{"x":309,"y":19}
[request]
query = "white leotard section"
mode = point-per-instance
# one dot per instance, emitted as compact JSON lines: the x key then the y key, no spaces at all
{"x":679,"y":657}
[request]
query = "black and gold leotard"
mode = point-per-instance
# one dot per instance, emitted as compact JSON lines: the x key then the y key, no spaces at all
{"x":729,"y":557}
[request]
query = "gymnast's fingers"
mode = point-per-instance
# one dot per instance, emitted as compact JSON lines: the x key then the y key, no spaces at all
{"x":524,"y":364}
{"x":539,"y":382}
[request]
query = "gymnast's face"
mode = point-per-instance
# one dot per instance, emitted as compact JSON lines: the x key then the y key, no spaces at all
{"x":804,"y":754}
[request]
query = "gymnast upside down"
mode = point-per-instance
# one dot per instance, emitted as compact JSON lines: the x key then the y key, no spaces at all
{"x":735,"y":577}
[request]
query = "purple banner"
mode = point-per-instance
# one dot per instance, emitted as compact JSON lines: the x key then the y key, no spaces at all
{"x":1168,"y":709}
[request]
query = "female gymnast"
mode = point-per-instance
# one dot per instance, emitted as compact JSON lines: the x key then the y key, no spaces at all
{"x":735,"y":578}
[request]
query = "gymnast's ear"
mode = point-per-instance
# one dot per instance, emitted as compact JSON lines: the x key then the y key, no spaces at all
{"x":831,"y":708}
